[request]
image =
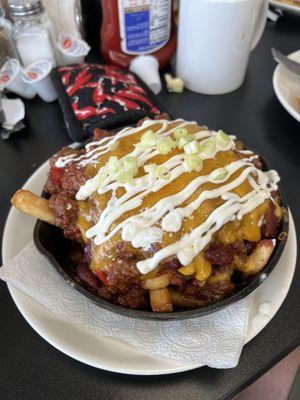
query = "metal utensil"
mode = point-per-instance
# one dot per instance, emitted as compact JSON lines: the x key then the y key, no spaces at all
{"x":291,"y":65}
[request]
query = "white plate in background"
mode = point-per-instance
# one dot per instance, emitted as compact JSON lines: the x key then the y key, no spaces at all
{"x":287,"y":87}
{"x":291,"y":8}
{"x":112,"y":354}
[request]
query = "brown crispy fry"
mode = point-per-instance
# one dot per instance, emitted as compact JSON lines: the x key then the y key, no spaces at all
{"x":31,"y":204}
{"x":160,"y":300}
{"x":220,"y":277}
{"x":156,"y":283}
{"x":258,"y":258}
{"x":179,"y":300}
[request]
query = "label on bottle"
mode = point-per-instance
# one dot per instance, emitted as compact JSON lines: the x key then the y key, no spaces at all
{"x":144,"y":25}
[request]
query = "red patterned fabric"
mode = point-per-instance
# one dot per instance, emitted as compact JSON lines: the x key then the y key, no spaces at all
{"x":105,"y":96}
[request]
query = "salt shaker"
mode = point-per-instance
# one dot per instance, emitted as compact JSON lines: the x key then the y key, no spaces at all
{"x":33,"y":32}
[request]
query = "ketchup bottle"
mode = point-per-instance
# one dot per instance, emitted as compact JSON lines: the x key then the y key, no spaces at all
{"x":139,"y":35}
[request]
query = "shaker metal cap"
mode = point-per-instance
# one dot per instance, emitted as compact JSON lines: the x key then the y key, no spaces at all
{"x":23,"y":8}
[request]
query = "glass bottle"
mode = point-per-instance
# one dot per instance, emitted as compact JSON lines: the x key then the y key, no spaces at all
{"x":33,"y":32}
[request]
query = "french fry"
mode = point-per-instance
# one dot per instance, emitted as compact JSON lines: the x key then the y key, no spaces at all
{"x":179,"y":300}
{"x":158,"y":282}
{"x":219,"y":277}
{"x":160,"y":300}
{"x":259,"y":257}
{"x":31,"y":204}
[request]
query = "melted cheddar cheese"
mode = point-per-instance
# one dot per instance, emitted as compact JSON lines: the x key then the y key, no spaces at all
{"x":248,"y":228}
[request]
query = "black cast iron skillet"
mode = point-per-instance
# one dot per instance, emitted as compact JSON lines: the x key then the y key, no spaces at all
{"x":51,"y":242}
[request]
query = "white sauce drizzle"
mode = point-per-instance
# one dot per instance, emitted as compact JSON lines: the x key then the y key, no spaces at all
{"x":142,"y":229}
{"x":149,"y":217}
{"x":187,"y":248}
{"x":246,"y":152}
{"x":143,"y":156}
{"x":136,"y":190}
{"x":104,"y":145}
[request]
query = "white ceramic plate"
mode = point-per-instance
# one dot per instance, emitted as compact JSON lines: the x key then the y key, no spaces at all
{"x":112,"y":354}
{"x":287,"y":88}
{"x":286,"y":7}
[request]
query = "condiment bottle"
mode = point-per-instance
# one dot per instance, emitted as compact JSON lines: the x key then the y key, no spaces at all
{"x":33,"y":32}
{"x":134,"y":28}
{"x":7,"y":49}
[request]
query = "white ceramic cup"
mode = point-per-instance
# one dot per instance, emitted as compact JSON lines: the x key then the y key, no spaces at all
{"x":215,"y":38}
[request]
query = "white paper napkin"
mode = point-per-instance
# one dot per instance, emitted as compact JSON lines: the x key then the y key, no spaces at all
{"x":215,"y":340}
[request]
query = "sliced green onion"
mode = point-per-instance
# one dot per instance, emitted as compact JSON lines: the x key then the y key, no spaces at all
{"x":193,"y":162}
{"x":219,"y":175}
{"x":150,"y":168}
{"x":180,"y":132}
{"x":113,"y":145}
{"x":130,"y":162}
{"x":162,"y":172}
{"x":201,"y":148}
{"x":192,"y":147}
{"x":100,"y":178}
{"x":148,"y":137}
{"x":135,"y":171}
{"x":165,"y":145}
{"x":222,"y":139}
{"x":140,"y":147}
{"x":113,"y":164}
{"x":184,"y":140}
{"x":209,"y":147}
{"x":125,"y":176}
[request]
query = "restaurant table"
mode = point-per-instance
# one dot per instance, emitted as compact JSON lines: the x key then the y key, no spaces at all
{"x":30,"y":368}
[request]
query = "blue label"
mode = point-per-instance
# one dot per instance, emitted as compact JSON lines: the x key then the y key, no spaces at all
{"x":144,"y":25}
{"x":137,"y":31}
